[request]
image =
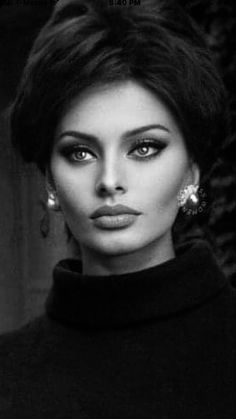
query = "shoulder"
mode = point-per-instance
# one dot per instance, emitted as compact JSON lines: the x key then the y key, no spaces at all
{"x":31,"y":376}
{"x":231,"y":294}
{"x":19,"y":343}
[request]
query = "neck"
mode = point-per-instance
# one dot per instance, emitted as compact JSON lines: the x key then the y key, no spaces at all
{"x":151,"y":255}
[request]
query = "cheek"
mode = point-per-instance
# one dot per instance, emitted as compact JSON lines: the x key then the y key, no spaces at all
{"x":70,"y":202}
{"x":162,"y":187}
{"x":167,"y":192}
{"x":72,"y":192}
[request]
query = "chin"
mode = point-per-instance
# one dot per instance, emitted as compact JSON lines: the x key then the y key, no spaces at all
{"x":112,"y":246}
{"x":116,"y":246}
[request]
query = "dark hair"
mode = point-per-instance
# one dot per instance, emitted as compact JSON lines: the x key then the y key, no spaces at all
{"x":89,"y":42}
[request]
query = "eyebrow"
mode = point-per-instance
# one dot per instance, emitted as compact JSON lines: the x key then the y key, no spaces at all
{"x":129,"y":133}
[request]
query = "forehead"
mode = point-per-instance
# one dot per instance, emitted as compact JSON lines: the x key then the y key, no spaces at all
{"x":117,"y":106}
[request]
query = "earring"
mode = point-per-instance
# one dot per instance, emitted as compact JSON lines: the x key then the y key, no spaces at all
{"x":52,"y":202}
{"x":188,"y":199}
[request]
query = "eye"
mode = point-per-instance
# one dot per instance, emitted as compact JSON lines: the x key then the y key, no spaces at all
{"x":81,"y":155}
{"x":78,"y":153}
{"x":144,"y":150}
{"x":147,"y":148}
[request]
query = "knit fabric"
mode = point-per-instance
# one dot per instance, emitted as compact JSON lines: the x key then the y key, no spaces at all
{"x":157,"y":343}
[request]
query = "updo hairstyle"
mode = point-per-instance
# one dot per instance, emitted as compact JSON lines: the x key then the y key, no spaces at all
{"x":90,"y":42}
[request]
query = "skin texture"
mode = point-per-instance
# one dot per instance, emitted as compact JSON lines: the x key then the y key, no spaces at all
{"x":113,"y":168}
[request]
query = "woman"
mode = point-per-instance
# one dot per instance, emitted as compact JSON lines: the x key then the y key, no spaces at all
{"x":123,"y":111}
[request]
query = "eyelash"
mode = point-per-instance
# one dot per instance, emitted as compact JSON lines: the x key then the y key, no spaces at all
{"x":69,"y":150}
{"x":158,"y":145}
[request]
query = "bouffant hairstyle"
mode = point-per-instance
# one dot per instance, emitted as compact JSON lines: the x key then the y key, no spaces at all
{"x":91,"y":42}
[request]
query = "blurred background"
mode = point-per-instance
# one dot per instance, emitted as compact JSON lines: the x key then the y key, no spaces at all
{"x":31,"y":240}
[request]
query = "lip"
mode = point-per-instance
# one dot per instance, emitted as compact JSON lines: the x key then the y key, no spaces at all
{"x":115,"y":210}
{"x":114,"y":217}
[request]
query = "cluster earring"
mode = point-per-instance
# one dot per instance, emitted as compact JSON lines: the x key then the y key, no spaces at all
{"x":188,"y":199}
{"x":52,"y":202}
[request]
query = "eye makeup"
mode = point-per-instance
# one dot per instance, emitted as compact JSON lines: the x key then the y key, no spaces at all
{"x":142,"y":149}
{"x":147,"y":148}
{"x":77,"y":153}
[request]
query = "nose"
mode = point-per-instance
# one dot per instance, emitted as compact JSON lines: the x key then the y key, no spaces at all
{"x":111,"y":179}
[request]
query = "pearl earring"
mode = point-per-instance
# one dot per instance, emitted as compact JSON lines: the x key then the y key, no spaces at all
{"x":52,"y":202}
{"x":188,"y":198}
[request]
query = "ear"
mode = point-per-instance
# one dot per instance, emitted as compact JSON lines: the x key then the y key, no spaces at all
{"x":49,"y":182}
{"x":192,"y":175}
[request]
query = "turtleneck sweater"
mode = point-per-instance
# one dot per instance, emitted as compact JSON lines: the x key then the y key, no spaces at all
{"x":156,"y":343}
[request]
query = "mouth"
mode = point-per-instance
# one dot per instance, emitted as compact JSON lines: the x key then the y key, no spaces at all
{"x":114,"y":217}
{"x":108,"y":210}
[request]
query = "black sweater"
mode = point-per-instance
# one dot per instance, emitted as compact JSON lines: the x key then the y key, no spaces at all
{"x":158,"y":343}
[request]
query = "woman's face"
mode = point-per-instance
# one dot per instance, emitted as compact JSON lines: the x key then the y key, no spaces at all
{"x":119,"y":145}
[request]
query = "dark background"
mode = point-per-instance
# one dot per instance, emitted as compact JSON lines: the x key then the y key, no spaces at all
{"x":24,"y":252}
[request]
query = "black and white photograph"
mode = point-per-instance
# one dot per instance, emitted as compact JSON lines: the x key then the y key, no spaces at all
{"x":117,"y":209}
